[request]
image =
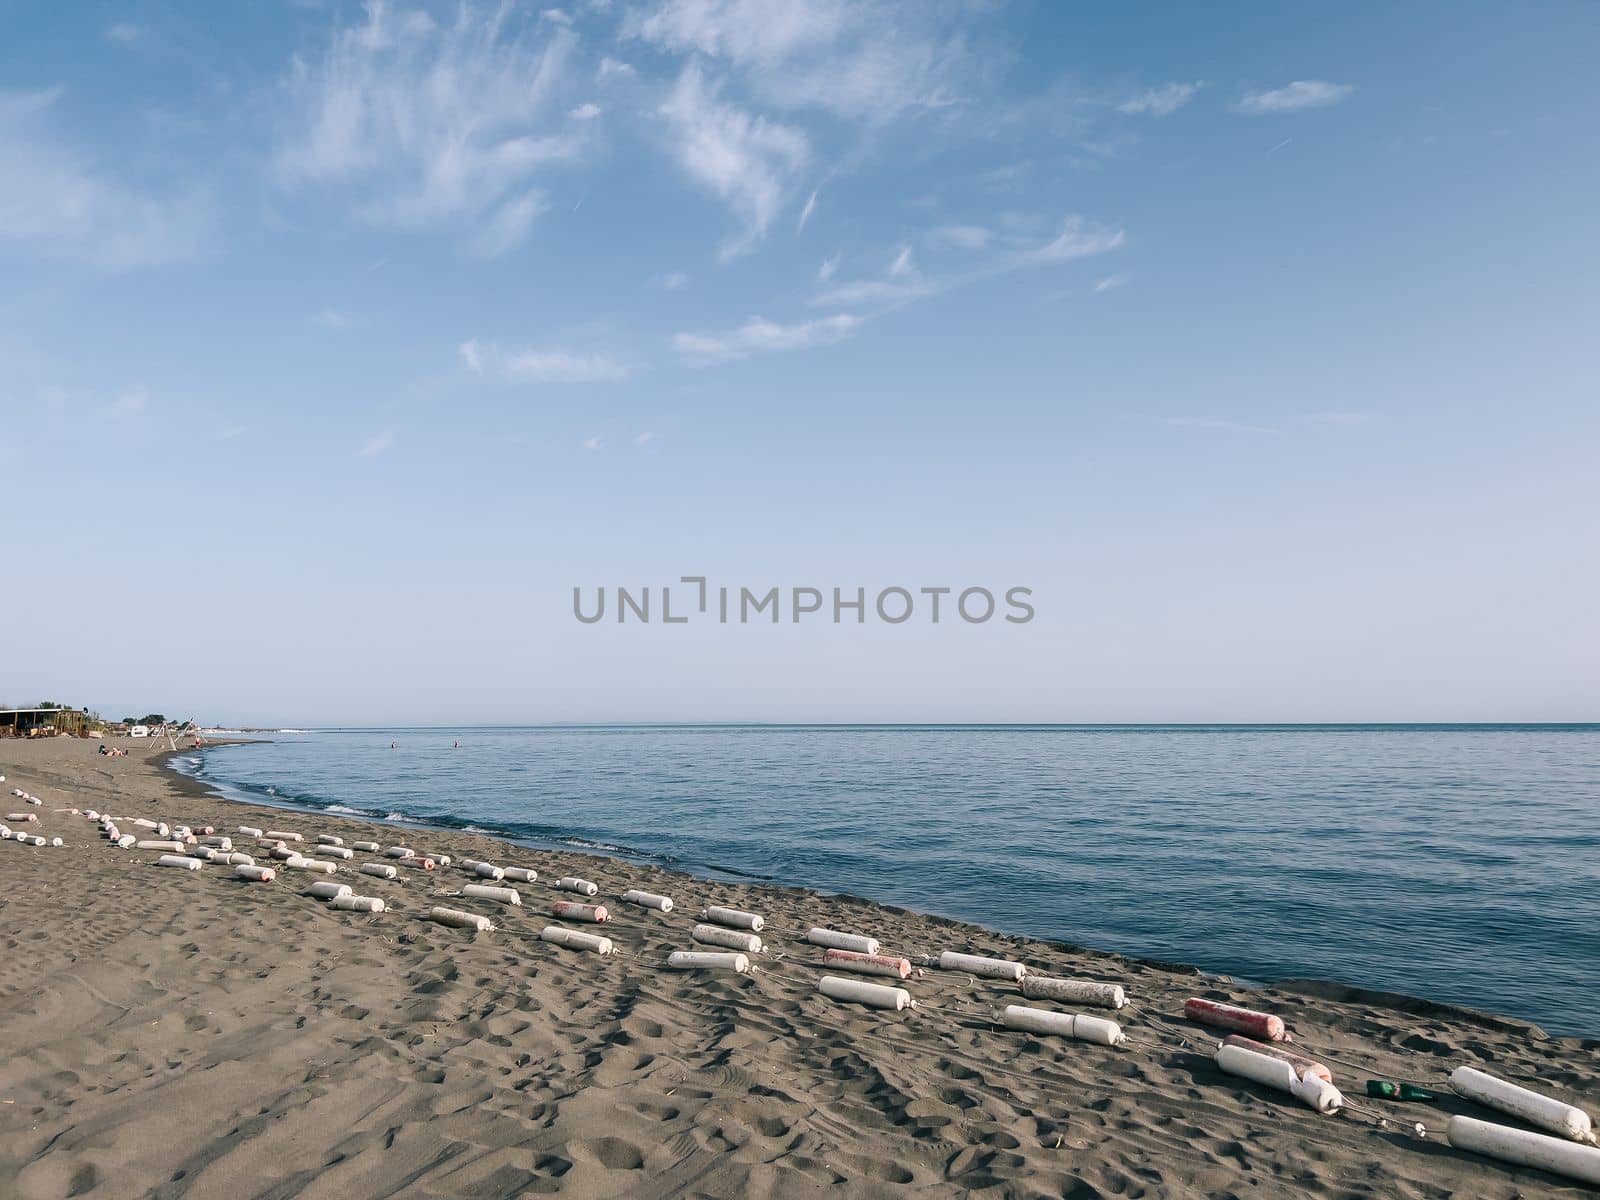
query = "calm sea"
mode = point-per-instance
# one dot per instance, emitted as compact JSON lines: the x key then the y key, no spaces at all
{"x":1461,"y":863}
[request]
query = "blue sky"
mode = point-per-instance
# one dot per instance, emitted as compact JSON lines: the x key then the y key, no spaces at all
{"x":339,"y":343}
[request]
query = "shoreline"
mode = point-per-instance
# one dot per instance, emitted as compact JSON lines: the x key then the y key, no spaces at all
{"x":392,"y":1054}
{"x":1311,"y":987}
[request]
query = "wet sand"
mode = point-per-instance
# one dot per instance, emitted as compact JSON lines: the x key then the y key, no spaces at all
{"x":171,"y":1033}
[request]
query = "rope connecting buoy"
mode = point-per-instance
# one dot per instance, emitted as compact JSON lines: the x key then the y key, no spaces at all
{"x":576,"y":939}
{"x":1271,"y":1072}
{"x":986,"y":968}
{"x":461,"y":920}
{"x":836,"y":940}
{"x":733,"y":939}
{"x":733,"y":918}
{"x":571,"y":883}
{"x":1072,"y":1025}
{"x":1525,"y":1148}
{"x":703,"y":960}
{"x":254,"y":873}
{"x":331,"y":891}
{"x":873,"y":995}
{"x":1564,"y":1120}
{"x":1299,"y":1062}
{"x":661,"y":904}
{"x":1074,"y":991}
{"x":500,"y":895}
{"x":868,"y":964}
{"x":1263,"y":1026}
{"x":381,"y":870}
{"x":366,"y":904}
{"x":571,"y":910}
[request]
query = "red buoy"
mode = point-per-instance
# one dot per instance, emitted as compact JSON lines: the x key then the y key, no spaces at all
{"x":1240,"y":1020}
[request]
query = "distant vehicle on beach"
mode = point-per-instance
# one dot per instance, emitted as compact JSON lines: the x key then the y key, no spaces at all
{"x":139,"y":731}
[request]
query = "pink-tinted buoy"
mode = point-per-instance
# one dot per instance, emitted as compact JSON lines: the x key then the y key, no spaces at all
{"x":571,"y":910}
{"x":1260,"y":1025}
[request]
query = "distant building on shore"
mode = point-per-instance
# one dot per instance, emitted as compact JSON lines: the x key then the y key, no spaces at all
{"x":42,"y":722}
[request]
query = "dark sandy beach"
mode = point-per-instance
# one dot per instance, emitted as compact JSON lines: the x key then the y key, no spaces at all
{"x":171,"y":1033}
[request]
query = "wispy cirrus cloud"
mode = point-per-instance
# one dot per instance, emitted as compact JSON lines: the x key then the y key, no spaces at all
{"x":759,"y":335}
{"x":1295,"y":97}
{"x":425,"y":125}
{"x":376,"y":444}
{"x":1112,"y":282}
{"x":1160,"y":101}
{"x":547,"y":365}
{"x":58,"y":202}
{"x":747,"y":161}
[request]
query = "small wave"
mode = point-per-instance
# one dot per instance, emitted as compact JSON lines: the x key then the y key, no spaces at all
{"x":346,"y":811}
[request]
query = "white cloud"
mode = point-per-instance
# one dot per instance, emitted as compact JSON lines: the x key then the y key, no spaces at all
{"x":59,"y":203}
{"x":593,"y":443}
{"x":1078,"y":239}
{"x":863,"y":59}
{"x":232,"y":433}
{"x":558,"y":366}
{"x":674,"y":281}
{"x":472,"y":355}
{"x":828,"y":269}
{"x":131,"y":403}
{"x":903,"y":267}
{"x":758,"y":335}
{"x":1301,"y":94}
{"x":747,"y":161}
{"x":611,"y":68}
{"x":124,"y":33}
{"x":1218,"y":425}
{"x":333,"y":319}
{"x":1111,"y":282}
{"x":558,"y":15}
{"x":645,"y":438}
{"x":1161,"y":101}
{"x":585,"y":112}
{"x":962,"y":237}
{"x":805,"y":213}
{"x":426,"y":125}
{"x":376,"y":444}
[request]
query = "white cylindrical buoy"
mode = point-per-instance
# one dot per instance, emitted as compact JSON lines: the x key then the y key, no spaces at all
{"x":399,"y":852}
{"x":571,"y":910}
{"x":182,"y":861}
{"x":576,"y":939}
{"x":205,"y":853}
{"x":874,"y":995}
{"x":381,"y":870}
{"x":462,"y":920}
{"x":319,"y":865}
{"x":486,"y":870}
{"x":1546,"y":1112}
{"x":366,"y":847}
{"x":249,"y":831}
{"x":146,"y":823}
{"x":127,"y":841}
{"x":418,"y":862}
{"x":157,"y":845}
{"x":648,"y":900}
{"x":237,"y":859}
{"x":57,"y":842}
{"x":571,"y":883}
{"x":733,"y":918}
{"x":327,"y":839}
{"x":500,"y":895}
{"x":221,"y":843}
{"x":836,"y":940}
{"x":270,"y":843}
{"x":23,"y":817}
{"x":328,"y":890}
{"x":255,"y":874}
{"x":279,"y":835}
{"x":521,"y":874}
{"x":339,"y":852}
{"x":1524,"y":1148}
{"x":1072,"y":1025}
{"x":987,"y":968}
{"x":367,"y":904}
{"x":868,"y":964}
{"x":1074,"y":991}
{"x":283,"y":854}
{"x":733,"y":939}
{"x":702,"y":960}
{"x":1275,"y":1073}
{"x":1305,"y":1066}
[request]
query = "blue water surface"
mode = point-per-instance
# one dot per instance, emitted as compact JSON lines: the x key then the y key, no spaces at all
{"x":1454,"y":862}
